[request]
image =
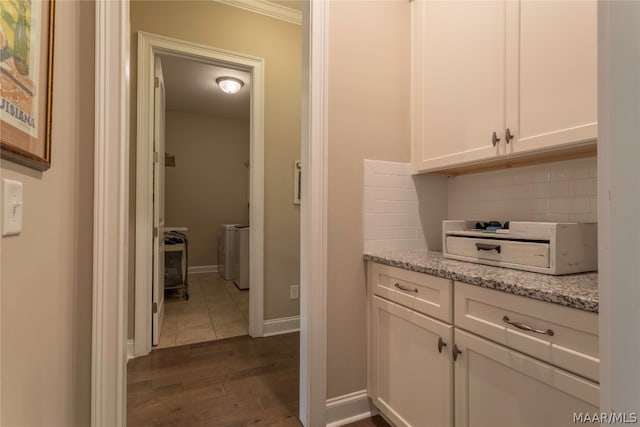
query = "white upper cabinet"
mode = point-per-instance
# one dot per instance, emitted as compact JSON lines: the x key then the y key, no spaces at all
{"x":480,"y":67}
{"x":551,"y":73}
{"x":457,"y":81}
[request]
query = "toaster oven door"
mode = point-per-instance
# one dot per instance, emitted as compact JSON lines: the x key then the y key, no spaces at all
{"x":534,"y":254}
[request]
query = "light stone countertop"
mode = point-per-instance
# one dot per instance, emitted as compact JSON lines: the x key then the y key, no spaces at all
{"x":573,"y":290}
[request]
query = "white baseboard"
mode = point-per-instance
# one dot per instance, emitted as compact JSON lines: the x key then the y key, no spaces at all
{"x":349,"y":408}
{"x":203,"y":269}
{"x":130,"y":349}
{"x":284,"y":325}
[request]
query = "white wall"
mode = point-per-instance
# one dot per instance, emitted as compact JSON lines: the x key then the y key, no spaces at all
{"x":209,"y":185}
{"x":562,"y":191}
{"x":369,"y":45}
{"x":47,"y":270}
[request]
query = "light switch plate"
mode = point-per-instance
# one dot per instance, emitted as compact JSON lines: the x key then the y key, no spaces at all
{"x":12,"y":207}
{"x":294,"y":291}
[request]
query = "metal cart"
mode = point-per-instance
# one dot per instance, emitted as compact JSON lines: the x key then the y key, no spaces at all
{"x":176,"y":258}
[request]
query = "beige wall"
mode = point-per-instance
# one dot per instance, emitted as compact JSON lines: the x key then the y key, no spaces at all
{"x":46,"y":271}
{"x":279,"y":43}
{"x":209,"y":185}
{"x":369,"y":102}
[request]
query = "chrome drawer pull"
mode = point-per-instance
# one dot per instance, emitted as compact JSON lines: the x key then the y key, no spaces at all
{"x":527,"y":328}
{"x":402,"y":288}
{"x":487,"y":247}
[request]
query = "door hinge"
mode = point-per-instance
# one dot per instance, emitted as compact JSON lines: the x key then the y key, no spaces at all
{"x":156,"y":157}
{"x":155,"y":232}
{"x":156,"y":82}
{"x":154,"y":307}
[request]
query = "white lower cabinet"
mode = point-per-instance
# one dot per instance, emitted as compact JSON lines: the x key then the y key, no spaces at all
{"x":496,"y":386}
{"x":410,"y":374}
{"x":504,"y":362}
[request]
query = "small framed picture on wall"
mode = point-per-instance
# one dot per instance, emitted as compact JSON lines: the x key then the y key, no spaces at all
{"x":26,"y":76}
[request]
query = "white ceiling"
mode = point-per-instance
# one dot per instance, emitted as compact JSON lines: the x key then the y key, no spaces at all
{"x":191,"y":87}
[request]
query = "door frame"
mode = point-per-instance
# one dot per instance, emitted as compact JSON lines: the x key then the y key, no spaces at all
{"x":618,"y":204}
{"x":111,"y":215}
{"x":149,"y":46}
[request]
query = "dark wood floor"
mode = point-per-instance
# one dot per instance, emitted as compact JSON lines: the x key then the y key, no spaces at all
{"x":233,"y":382}
{"x":376,"y":421}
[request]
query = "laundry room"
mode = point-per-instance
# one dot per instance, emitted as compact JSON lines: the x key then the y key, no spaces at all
{"x":207,"y":170}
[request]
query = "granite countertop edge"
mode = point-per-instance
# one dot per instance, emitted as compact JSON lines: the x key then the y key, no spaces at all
{"x":578,"y":291}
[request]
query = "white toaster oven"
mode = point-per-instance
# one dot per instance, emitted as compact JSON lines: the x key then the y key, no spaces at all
{"x":542,"y":247}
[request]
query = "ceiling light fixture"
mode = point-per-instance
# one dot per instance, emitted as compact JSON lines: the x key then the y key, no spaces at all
{"x":229,"y":85}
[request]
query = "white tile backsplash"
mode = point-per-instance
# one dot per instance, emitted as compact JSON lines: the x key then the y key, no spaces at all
{"x":563,"y":191}
{"x":380,"y":174}
{"x":391,"y":217}
{"x":401,"y":209}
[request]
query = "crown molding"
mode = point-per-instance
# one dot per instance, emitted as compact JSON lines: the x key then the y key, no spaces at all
{"x":267,"y":8}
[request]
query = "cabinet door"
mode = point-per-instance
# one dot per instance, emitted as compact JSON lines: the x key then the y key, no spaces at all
{"x":458,"y":82}
{"x":551,"y":73}
{"x":496,"y":386}
{"x":410,"y":379}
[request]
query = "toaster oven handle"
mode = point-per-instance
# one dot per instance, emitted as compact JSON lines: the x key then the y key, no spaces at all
{"x":487,"y":247}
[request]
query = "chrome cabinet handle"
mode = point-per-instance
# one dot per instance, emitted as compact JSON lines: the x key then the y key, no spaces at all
{"x":508,"y":136}
{"x":527,"y":328}
{"x":403,"y":288}
{"x":456,"y":352}
{"x":495,"y":139}
{"x":441,"y":344}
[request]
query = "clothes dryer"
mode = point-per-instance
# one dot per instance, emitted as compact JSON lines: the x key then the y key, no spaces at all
{"x":225,"y":250}
{"x":241,"y":257}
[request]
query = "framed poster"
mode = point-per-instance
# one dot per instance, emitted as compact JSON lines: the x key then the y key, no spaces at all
{"x":26,"y":75}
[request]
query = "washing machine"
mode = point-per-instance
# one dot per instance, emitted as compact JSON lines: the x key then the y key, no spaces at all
{"x":241,"y":256}
{"x":225,"y":250}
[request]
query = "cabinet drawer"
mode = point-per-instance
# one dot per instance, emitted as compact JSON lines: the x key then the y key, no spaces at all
{"x":564,"y":337}
{"x":522,"y":253}
{"x":421,"y":292}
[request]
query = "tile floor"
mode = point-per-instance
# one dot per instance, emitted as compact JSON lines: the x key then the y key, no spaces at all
{"x":216,"y":309}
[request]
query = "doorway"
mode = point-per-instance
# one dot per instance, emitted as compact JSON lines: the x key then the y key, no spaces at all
{"x":206,"y":203}
{"x":201,"y":59}
{"x":112,"y":225}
